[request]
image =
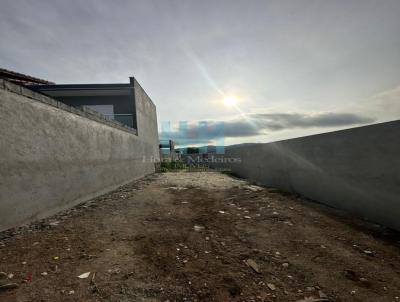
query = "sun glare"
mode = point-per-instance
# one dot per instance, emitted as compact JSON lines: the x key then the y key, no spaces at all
{"x":230,"y":101}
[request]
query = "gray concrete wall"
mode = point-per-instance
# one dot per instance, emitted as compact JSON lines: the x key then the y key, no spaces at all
{"x":53,"y":156}
{"x":146,"y":122}
{"x":357,"y":170}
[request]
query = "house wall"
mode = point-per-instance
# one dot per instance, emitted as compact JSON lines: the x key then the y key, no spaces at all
{"x":357,"y":170}
{"x":53,"y":156}
{"x":122,"y":103}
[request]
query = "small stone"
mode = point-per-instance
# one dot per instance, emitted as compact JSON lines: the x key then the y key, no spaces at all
{"x":369,"y":253}
{"x":114,"y":271}
{"x":198,"y":228}
{"x":247,"y":217}
{"x":322,"y":295}
{"x":253,"y":188}
{"x":312,"y":299}
{"x":351,"y":275}
{"x":7,"y":286}
{"x":84,"y":275}
{"x":285,"y":264}
{"x":310,"y":288}
{"x":271,"y":286}
{"x":251,"y":263}
{"x":44,"y":274}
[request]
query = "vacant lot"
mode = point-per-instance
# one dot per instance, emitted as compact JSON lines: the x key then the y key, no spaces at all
{"x":200,"y":237}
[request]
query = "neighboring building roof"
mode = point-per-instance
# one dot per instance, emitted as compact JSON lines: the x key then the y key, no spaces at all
{"x":83,"y":89}
{"x":21,"y":79}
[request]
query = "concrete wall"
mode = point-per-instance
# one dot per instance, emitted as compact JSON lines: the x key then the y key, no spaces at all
{"x":357,"y":170}
{"x":146,"y":121}
{"x":53,"y":156}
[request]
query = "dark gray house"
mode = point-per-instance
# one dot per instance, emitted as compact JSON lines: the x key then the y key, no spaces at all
{"x":115,"y":101}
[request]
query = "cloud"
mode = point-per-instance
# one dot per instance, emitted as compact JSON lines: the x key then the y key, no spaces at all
{"x":386,"y":104}
{"x":278,"y":121}
{"x":258,"y":124}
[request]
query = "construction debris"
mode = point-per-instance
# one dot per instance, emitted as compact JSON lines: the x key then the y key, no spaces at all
{"x":253,"y":188}
{"x":7,"y":286}
{"x":198,"y":228}
{"x":84,"y":275}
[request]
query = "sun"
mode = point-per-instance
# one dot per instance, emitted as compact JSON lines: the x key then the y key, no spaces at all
{"x":230,"y":101}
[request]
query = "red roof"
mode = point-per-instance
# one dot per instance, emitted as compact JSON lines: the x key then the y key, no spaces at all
{"x":21,"y":79}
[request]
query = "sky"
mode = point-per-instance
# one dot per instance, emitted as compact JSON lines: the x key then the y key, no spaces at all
{"x":294,"y":68}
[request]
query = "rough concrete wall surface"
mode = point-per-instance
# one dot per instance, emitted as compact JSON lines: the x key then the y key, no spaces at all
{"x":357,"y":170}
{"x":52,"y":159}
{"x":146,"y":122}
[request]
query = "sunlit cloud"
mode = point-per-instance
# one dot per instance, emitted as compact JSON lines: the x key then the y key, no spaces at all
{"x":260,"y":124}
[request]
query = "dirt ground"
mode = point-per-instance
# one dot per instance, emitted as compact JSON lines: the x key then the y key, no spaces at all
{"x":200,"y":237}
